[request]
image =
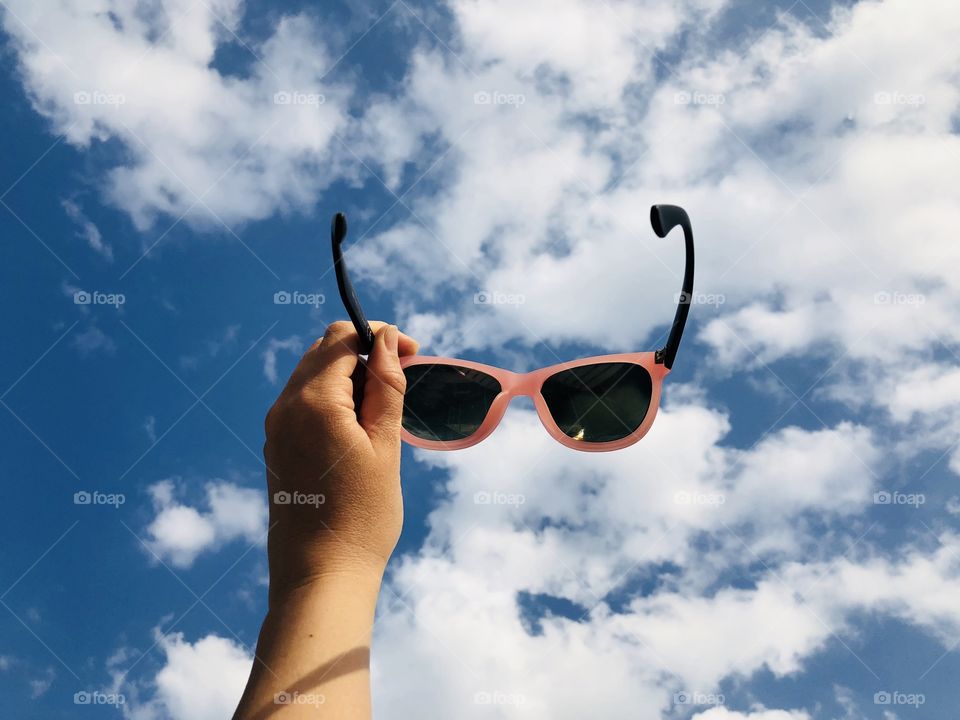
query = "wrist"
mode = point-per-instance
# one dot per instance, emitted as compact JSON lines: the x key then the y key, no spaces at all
{"x":359,"y":582}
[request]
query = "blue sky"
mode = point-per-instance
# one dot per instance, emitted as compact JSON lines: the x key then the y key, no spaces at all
{"x":782,"y":546}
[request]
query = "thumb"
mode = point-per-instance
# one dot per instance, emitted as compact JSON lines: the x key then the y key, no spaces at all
{"x":385,"y":383}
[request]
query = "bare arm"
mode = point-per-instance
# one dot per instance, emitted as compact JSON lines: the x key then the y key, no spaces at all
{"x":333,"y":467}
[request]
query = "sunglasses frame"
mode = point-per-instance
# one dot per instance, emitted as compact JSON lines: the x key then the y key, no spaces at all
{"x":663,"y":218}
{"x":530,"y":384}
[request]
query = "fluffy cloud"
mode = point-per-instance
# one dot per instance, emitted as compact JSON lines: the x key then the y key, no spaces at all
{"x":453,"y":611}
{"x":645,"y":504}
{"x":781,"y":148}
{"x":202,"y":680}
{"x":921,"y":587}
{"x":88,"y":231}
{"x":93,"y":340}
{"x":179,"y":533}
{"x":292,"y":344}
{"x":818,"y":163}
{"x":682,"y":500}
{"x":40,"y":685}
{"x":720,"y":713}
{"x":211,"y":147}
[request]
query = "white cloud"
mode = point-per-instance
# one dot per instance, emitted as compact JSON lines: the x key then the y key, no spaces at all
{"x":202,"y":680}
{"x":822,"y":191}
{"x":584,"y":528}
{"x":150,"y":428}
{"x":179,"y":533}
{"x":689,"y":481}
{"x":88,"y":231}
{"x":199,"y":143}
{"x":824,"y":216}
{"x":801,"y":223}
{"x":720,"y":713}
{"x":94,"y":340}
{"x":927,"y":389}
{"x":921,"y":403}
{"x":921,"y":587}
{"x":292,"y":344}
{"x":618,"y":515}
{"x":40,"y":685}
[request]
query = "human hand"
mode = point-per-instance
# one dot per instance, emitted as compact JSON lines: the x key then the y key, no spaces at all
{"x":333,"y":460}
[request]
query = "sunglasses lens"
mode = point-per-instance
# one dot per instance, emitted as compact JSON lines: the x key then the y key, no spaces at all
{"x":599,"y":403}
{"x":446,"y":402}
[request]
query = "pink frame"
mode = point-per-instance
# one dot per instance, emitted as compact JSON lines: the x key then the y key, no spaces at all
{"x":529,"y":384}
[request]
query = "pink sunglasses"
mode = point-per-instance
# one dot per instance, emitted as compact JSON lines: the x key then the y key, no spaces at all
{"x":601,"y":403}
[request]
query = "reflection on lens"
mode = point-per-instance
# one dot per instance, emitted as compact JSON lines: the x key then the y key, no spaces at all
{"x":599,"y":403}
{"x":446,"y":402}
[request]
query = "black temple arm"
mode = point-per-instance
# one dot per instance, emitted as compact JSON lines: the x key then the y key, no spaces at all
{"x":338,"y":231}
{"x":664,"y":218}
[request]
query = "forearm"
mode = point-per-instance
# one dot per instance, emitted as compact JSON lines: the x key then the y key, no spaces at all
{"x":313,"y":654}
{"x":336,"y":512}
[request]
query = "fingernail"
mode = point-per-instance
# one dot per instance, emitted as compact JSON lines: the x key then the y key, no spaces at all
{"x":391,"y":338}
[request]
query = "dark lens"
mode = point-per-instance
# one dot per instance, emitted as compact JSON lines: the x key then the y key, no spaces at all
{"x":599,"y":403}
{"x":446,"y":402}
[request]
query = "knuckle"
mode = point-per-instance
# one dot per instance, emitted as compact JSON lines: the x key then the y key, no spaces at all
{"x":339,"y":328}
{"x":394,"y":378}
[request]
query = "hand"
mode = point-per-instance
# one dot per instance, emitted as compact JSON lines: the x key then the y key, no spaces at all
{"x":333,"y":473}
{"x":333,"y":460}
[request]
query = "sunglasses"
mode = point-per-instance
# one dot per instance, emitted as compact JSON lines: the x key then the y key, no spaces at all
{"x":595,"y":404}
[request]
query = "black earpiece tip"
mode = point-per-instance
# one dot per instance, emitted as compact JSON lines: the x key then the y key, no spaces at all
{"x":338,"y":227}
{"x":665,"y":218}
{"x":656,"y":220}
